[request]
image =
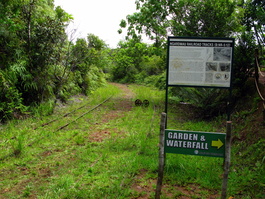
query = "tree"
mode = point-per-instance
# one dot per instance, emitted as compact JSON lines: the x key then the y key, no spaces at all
{"x":87,"y":57}
{"x":12,"y":64}
{"x":158,"y":19}
{"x":44,"y":36}
{"x":128,"y":58}
{"x":250,"y":37}
{"x":37,"y":62}
{"x":31,"y":38}
{"x":134,"y":61}
{"x":254,"y":19}
{"x":95,"y":42}
{"x":202,"y":18}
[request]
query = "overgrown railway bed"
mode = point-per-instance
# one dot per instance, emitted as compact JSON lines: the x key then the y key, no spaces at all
{"x":12,"y":145}
{"x":34,"y":151}
{"x":55,"y":125}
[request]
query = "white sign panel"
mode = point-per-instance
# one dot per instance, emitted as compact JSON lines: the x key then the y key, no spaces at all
{"x":200,"y":62}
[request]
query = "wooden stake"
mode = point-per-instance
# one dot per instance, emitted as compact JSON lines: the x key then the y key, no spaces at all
{"x":161,"y":156}
{"x":227,"y":158}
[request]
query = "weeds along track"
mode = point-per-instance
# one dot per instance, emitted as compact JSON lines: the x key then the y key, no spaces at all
{"x":78,"y":113}
{"x":81,"y":146}
{"x":51,"y":132}
{"x":73,"y":111}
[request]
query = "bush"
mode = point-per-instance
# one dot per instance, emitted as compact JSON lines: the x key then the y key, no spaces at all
{"x":244,"y":59}
{"x":208,"y":102}
{"x":11,"y":105}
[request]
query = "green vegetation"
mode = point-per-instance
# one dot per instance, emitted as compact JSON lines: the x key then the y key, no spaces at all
{"x":40,"y":64}
{"x":113,"y":152}
{"x":52,"y":148}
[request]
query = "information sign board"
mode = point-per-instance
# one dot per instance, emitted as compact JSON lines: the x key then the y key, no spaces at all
{"x":195,"y":143}
{"x":200,"y":62}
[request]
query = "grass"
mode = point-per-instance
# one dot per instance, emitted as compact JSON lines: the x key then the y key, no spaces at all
{"x":109,"y":152}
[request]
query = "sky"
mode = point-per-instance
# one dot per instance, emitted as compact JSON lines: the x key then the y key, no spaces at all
{"x":99,"y":17}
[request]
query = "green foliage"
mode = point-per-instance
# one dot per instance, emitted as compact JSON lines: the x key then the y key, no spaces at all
{"x":254,"y":19}
{"x":208,"y":102}
{"x":73,"y":164}
{"x":33,"y":35}
{"x":124,"y":70}
{"x":250,"y":34}
{"x":153,"y":65}
{"x":134,"y":61}
{"x":249,"y":169}
{"x":244,"y":59}
{"x":18,"y":145}
{"x":37,"y":63}
{"x":157,"y":19}
{"x":86,"y":63}
{"x":96,"y":43}
{"x":11,"y":105}
{"x":43,"y":109}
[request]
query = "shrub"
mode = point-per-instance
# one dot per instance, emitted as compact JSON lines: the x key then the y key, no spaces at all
{"x":11,"y":105}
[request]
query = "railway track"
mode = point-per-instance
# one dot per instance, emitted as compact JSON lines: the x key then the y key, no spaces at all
{"x":79,"y":112}
{"x":80,"y":116}
{"x":53,"y":129}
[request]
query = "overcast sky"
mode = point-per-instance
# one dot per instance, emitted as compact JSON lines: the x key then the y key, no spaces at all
{"x":99,"y":17}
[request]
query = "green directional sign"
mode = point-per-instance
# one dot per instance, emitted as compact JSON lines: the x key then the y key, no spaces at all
{"x":195,"y":143}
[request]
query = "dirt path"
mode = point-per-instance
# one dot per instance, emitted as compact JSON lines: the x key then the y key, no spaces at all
{"x":127,"y":93}
{"x":123,"y":104}
{"x":141,"y":182}
{"x":146,"y":188}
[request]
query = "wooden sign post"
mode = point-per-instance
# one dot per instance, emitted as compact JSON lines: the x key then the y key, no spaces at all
{"x":161,"y":156}
{"x":227,"y":159}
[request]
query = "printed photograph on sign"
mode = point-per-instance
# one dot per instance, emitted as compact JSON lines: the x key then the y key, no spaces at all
{"x":222,"y":54}
{"x":200,"y":62}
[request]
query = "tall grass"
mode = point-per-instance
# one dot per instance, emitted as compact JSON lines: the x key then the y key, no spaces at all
{"x":103,"y":154}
